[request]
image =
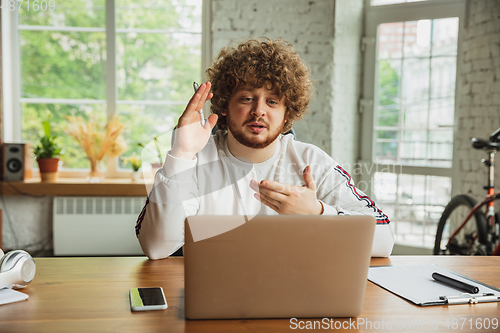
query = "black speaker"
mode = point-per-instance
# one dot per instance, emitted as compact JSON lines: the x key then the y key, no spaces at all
{"x":16,"y":161}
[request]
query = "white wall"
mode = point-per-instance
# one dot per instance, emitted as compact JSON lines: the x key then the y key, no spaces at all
{"x":478,"y":111}
{"x":27,"y":221}
{"x":346,"y":81}
{"x":326,"y":35}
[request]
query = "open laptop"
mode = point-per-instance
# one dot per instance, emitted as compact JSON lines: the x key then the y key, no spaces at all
{"x":282,"y":266}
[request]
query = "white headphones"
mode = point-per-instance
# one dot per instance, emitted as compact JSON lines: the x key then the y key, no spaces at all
{"x":17,"y":269}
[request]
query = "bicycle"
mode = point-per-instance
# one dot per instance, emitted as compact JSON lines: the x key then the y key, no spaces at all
{"x":478,"y":232}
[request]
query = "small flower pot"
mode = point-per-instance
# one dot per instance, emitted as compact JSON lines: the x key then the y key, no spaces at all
{"x":48,"y":168}
{"x":135,"y":175}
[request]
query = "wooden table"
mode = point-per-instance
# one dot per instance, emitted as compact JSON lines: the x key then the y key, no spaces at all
{"x":91,"y":295}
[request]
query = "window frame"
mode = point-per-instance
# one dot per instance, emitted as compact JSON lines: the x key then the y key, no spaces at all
{"x":374,"y":17}
{"x":11,"y":73}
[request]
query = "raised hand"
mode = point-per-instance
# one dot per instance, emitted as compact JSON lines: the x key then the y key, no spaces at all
{"x":289,"y":199}
{"x":190,"y":136}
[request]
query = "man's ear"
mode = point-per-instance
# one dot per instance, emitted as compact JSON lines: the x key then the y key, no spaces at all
{"x":223,"y":113}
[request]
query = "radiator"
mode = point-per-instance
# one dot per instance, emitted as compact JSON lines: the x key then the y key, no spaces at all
{"x":96,"y":225}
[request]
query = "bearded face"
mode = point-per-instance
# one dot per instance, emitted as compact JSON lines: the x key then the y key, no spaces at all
{"x":256,"y":116}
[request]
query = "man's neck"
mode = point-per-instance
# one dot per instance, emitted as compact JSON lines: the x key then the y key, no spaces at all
{"x":246,"y":153}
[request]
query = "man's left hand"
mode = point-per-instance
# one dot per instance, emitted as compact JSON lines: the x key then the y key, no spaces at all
{"x":289,"y":199}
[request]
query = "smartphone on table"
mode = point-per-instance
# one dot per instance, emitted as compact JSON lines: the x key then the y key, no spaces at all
{"x":143,"y":299}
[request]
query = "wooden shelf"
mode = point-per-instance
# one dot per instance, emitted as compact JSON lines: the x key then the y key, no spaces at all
{"x":76,"y":187}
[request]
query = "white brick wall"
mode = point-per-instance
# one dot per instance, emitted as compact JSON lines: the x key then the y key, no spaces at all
{"x":478,"y":112}
{"x":326,"y":35}
{"x":31,"y":219}
{"x":346,"y":81}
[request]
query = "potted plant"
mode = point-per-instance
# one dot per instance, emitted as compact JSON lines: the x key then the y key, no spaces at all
{"x":97,"y":141}
{"x":47,"y":153}
{"x":135,"y":162}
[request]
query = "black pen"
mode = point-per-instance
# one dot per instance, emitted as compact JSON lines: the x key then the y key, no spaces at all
{"x":455,"y":283}
{"x":202,"y":118}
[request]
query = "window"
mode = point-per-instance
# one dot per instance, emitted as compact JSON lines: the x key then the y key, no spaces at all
{"x":98,"y":58}
{"x":416,"y":93}
{"x":409,"y":80}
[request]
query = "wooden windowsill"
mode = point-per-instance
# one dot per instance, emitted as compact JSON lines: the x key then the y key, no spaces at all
{"x":76,"y":187}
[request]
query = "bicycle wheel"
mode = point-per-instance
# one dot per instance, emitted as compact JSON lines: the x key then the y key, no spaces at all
{"x":471,"y":239}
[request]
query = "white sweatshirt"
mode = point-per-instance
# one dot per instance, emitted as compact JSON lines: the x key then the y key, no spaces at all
{"x":206,"y":186}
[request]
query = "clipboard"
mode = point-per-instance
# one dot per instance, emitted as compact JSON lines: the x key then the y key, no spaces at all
{"x":415,"y":284}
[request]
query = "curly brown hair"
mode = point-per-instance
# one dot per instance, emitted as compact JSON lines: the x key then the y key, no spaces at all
{"x":257,"y":62}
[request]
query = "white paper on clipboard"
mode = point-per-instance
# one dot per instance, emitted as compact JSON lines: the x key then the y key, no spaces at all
{"x":415,"y":283}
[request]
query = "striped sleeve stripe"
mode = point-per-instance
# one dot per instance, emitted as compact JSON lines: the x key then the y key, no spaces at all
{"x":140,"y":218}
{"x":380,"y":217}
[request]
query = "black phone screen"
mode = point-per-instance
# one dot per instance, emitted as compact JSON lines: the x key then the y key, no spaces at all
{"x":151,"y":296}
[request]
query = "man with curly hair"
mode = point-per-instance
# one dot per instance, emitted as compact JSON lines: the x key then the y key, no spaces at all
{"x":251,"y":165}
